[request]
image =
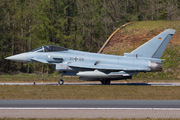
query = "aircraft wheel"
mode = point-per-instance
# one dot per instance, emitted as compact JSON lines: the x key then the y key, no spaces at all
{"x":106,"y":81}
{"x":60,"y":82}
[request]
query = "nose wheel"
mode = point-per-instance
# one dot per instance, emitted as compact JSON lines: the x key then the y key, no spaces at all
{"x":60,"y":82}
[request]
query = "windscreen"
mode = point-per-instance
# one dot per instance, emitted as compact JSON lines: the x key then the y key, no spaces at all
{"x":40,"y":49}
{"x":53,"y":48}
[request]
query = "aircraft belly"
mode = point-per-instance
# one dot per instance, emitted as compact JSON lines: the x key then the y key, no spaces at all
{"x":99,"y":79}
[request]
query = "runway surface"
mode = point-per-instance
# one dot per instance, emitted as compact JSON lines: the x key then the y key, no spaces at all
{"x":89,"y":108}
{"x":90,"y":104}
{"x":95,"y":83}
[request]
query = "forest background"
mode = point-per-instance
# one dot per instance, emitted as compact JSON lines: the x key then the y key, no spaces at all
{"x":75,"y":24}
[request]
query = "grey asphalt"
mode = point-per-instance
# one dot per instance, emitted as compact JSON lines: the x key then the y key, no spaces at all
{"x":89,"y":109}
{"x":89,"y":103}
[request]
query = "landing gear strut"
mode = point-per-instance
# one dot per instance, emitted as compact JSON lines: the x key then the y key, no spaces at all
{"x":61,"y":82}
{"x":106,"y":81}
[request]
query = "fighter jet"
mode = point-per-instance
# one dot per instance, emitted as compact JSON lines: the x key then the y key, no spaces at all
{"x":100,"y":67}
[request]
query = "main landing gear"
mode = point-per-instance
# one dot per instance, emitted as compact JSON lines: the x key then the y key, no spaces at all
{"x":61,"y":82}
{"x":106,"y":81}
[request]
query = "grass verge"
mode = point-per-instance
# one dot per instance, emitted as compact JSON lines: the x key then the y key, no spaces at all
{"x":50,"y":78}
{"x":95,"y":92}
{"x":35,"y":78}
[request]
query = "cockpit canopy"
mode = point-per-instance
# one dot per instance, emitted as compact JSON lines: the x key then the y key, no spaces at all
{"x":49,"y":48}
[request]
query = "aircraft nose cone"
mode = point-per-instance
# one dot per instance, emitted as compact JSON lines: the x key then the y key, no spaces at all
{"x":19,"y":57}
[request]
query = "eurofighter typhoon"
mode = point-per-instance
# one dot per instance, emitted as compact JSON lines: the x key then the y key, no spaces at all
{"x":101,"y":67}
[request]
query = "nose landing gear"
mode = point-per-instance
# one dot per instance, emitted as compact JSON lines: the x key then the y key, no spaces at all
{"x":61,"y":82}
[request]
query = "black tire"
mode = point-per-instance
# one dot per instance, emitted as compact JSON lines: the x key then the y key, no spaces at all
{"x":60,"y":82}
{"x":106,"y":82}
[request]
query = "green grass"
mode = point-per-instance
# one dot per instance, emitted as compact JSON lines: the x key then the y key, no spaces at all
{"x":150,"y":25}
{"x":35,"y":78}
{"x":86,"y":92}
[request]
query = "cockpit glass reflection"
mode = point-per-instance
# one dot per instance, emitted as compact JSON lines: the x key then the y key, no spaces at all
{"x":40,"y":49}
{"x":53,"y":48}
{"x":49,"y":48}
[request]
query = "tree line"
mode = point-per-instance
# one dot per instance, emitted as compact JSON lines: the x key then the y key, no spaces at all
{"x":76,"y":24}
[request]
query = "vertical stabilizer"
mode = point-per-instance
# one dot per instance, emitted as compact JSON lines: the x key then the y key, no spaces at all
{"x":155,"y":47}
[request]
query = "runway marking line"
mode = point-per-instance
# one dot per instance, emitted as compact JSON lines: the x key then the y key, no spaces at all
{"x":41,"y":108}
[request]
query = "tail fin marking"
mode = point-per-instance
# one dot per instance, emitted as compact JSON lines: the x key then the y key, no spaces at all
{"x":155,"y":47}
